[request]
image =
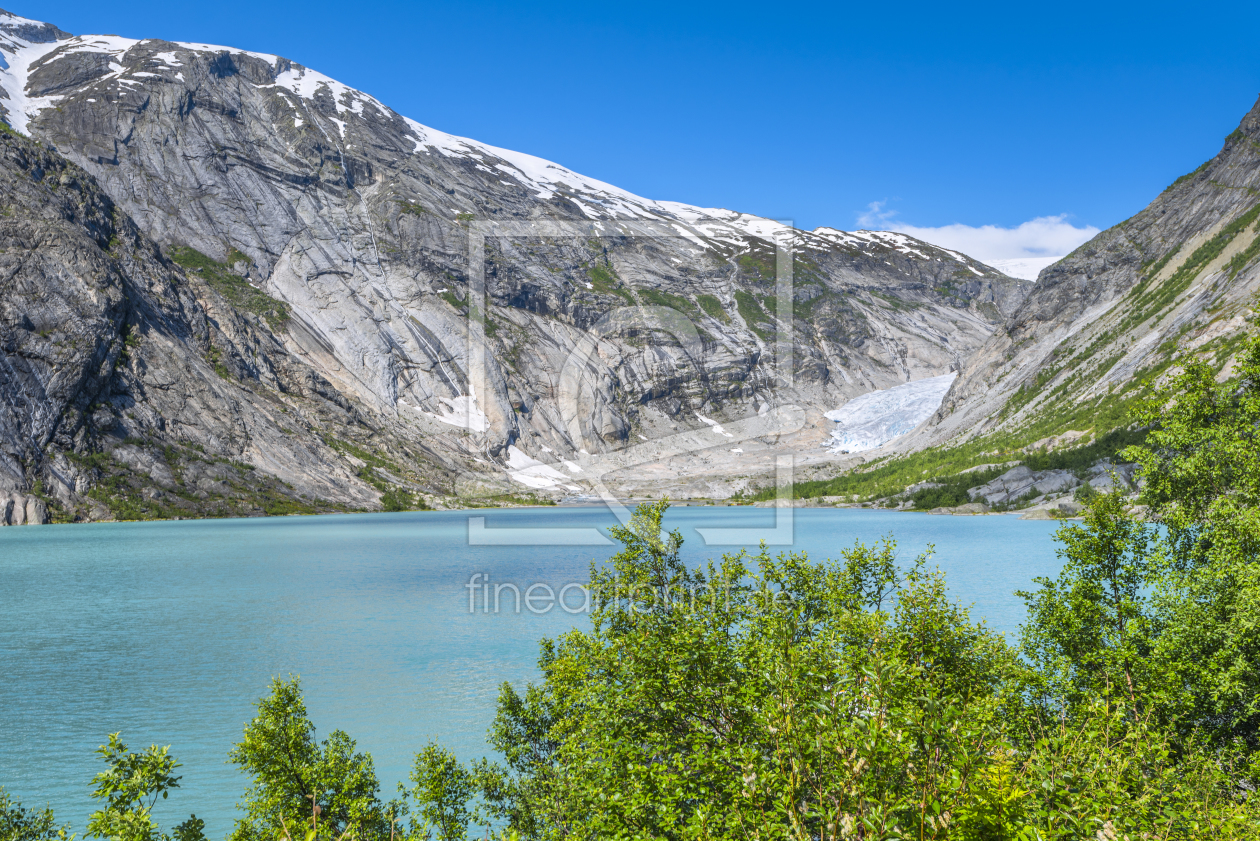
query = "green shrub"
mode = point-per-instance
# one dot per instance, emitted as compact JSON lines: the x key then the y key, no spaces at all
{"x":753,"y":314}
{"x":713,"y":308}
{"x":18,"y":824}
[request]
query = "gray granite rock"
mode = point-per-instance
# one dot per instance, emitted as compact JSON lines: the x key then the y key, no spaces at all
{"x":1020,"y":481}
{"x":361,"y":222}
{"x":103,"y":342}
{"x":1119,"y":305}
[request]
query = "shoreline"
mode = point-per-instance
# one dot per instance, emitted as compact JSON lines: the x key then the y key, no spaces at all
{"x":692,"y":503}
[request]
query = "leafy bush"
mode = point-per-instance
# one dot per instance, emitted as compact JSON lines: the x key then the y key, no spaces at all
{"x":18,"y":824}
{"x":295,"y":779}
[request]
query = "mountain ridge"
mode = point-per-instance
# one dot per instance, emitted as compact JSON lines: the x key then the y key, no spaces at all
{"x":356,"y":221}
{"x":1178,"y":278}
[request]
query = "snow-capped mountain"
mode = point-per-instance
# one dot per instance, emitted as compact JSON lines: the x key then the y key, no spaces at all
{"x":358,"y":222}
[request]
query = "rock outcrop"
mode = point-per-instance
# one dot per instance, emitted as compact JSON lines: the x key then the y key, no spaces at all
{"x":23,"y":510}
{"x":1178,"y":279}
{"x":1024,"y":484}
{"x":609,"y":319}
{"x":121,"y":375}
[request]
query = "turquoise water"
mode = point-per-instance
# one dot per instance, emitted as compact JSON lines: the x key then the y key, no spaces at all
{"x":169,"y":631}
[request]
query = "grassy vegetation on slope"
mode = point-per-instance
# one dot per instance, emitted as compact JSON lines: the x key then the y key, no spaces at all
{"x":888,"y":477}
{"x":201,"y":486}
{"x":235,"y":289}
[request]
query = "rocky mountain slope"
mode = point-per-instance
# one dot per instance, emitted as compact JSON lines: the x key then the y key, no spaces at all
{"x":1181,"y":277}
{"x":327,"y":239}
{"x":121,"y":377}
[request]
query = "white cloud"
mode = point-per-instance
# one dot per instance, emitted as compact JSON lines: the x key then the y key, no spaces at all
{"x":1024,"y":249}
{"x":1023,"y":267}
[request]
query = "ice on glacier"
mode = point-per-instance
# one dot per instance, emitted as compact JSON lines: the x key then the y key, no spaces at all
{"x":873,"y":419}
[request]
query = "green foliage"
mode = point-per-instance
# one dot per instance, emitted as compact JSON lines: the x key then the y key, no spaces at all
{"x":500,"y":500}
{"x":215,"y":357}
{"x":441,"y":789}
{"x":1105,"y":446}
{"x":757,"y":265}
{"x":294,"y":779}
{"x":1202,"y":460}
{"x":128,"y":494}
{"x":92,"y":461}
{"x":1245,"y":257}
{"x":780,"y":698}
{"x":192,"y":829}
{"x":660,"y":298}
{"x":410,"y":207}
{"x":741,"y":701}
{"x":605,"y":281}
{"x":1189,"y":175}
{"x":397,"y":499}
{"x":1089,"y":630}
{"x":18,"y":824}
{"x":753,"y":314}
{"x":1201,"y":465}
{"x":1085,"y":493}
{"x":1154,"y":268}
{"x":713,"y":308}
{"x":235,"y":289}
{"x":130,"y":787}
{"x":452,"y":299}
{"x":946,"y":466}
{"x":1169,"y":619}
{"x":393,"y":498}
{"x":1147,"y":302}
{"x":953,"y":490}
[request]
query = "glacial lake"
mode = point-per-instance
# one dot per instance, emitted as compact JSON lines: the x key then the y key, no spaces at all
{"x":169,"y":631}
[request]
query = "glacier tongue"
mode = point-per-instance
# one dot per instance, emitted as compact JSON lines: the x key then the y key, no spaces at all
{"x":873,"y":419}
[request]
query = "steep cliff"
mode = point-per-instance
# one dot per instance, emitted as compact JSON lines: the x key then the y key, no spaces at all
{"x":1179,"y":278}
{"x":363,"y":226}
{"x":132,"y":387}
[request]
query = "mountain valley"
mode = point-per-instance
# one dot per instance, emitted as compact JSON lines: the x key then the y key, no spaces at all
{"x":333,"y":253}
{"x":236,"y":286}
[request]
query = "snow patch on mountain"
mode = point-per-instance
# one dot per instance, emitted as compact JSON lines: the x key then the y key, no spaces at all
{"x":594,"y":199}
{"x":17,"y":54}
{"x":535,"y":474}
{"x":873,"y":419}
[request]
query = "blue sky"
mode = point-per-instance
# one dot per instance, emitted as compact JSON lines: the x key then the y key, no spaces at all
{"x":927,"y":117}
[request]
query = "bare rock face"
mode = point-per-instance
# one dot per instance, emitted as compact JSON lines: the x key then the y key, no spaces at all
{"x":21,"y":510}
{"x":112,"y":367}
{"x":1179,"y":278}
{"x":373,"y":238}
{"x":1021,"y":482}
